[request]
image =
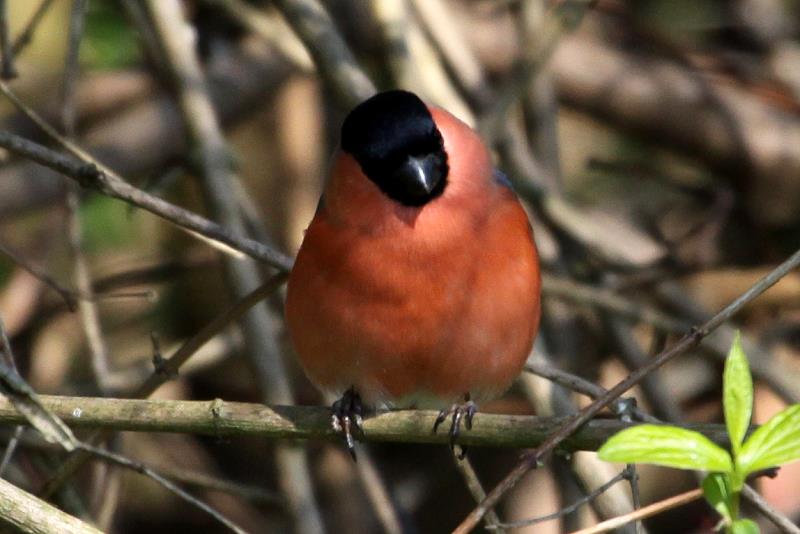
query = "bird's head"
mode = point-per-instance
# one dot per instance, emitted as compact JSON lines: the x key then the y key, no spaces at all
{"x":394,"y":138}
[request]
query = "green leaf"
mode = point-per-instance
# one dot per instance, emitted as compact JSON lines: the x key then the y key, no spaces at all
{"x":666,"y":445}
{"x":775,"y":443}
{"x":737,"y":394}
{"x":744,"y":526}
{"x":719,"y":494}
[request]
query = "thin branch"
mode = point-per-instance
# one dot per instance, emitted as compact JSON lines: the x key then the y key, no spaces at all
{"x":7,"y":70}
{"x":583,"y":386}
{"x":689,"y":341}
{"x":783,"y":523}
{"x":91,"y":174}
{"x":27,"y":403}
{"x":623,"y":475}
{"x":25,"y":37}
{"x":378,"y":494}
{"x":90,"y":317}
{"x":89,"y":314}
{"x":564,"y":288}
{"x":465,"y":467}
{"x":770,"y":371}
{"x":70,"y":297}
{"x":441,"y":25}
{"x":334,"y":60}
{"x":29,"y":406}
{"x":643,"y":513}
{"x":8,"y":360}
{"x":254,"y":494}
{"x":563,"y":378}
{"x":77,"y":21}
{"x":560,"y":19}
{"x":141,"y":468}
{"x":10,"y":448}
{"x":274,"y":30}
{"x":222,"y":418}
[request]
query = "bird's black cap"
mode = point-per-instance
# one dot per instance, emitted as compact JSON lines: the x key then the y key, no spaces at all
{"x":393,"y":137}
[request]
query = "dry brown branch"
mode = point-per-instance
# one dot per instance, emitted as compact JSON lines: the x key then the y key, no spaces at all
{"x":22,"y":512}
{"x":332,"y":57}
{"x":643,"y":513}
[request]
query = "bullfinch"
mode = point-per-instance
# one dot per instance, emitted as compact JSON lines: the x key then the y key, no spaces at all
{"x":417,"y":283}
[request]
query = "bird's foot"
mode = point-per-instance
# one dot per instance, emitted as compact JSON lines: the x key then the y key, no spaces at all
{"x":458,"y":412}
{"x":346,"y":417}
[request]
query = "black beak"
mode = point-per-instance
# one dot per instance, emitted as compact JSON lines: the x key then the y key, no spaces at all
{"x":420,"y":176}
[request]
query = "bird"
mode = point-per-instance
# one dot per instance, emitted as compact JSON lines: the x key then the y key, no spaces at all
{"x":417,"y":282}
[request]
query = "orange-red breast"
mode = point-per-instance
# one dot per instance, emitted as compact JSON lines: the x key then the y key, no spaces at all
{"x":417,"y":283}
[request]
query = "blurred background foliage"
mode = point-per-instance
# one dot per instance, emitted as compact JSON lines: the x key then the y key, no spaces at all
{"x":666,"y":136}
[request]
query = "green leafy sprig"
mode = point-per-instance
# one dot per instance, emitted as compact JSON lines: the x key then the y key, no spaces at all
{"x":773,"y":444}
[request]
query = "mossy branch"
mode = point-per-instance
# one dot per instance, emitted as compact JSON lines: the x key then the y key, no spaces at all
{"x":222,"y":418}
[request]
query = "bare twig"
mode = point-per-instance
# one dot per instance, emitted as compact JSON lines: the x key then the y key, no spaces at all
{"x":139,"y":467}
{"x":413,"y":60}
{"x":271,"y":29}
{"x":564,"y":288}
{"x":690,"y":340}
{"x":76,"y":23}
{"x":643,"y":513}
{"x":623,"y":475}
{"x":440,"y":24}
{"x":170,"y":366}
{"x":661,"y":402}
{"x":783,"y":523}
{"x":7,"y":70}
{"x":464,"y":466}
{"x":92,"y":174}
{"x":10,"y":448}
{"x":204,"y":481}
{"x":25,"y":37}
{"x":70,"y":297}
{"x":27,"y":402}
{"x":8,"y":360}
{"x":580,"y":385}
{"x":87,"y":174}
{"x":90,"y":317}
{"x":561,"y":19}
{"x":334,"y":60}
{"x":378,"y":494}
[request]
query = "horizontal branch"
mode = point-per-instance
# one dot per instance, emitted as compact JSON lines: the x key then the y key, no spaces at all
{"x":222,"y":418}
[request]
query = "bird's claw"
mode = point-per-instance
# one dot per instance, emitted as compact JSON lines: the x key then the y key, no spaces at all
{"x":458,"y":412}
{"x":346,"y":417}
